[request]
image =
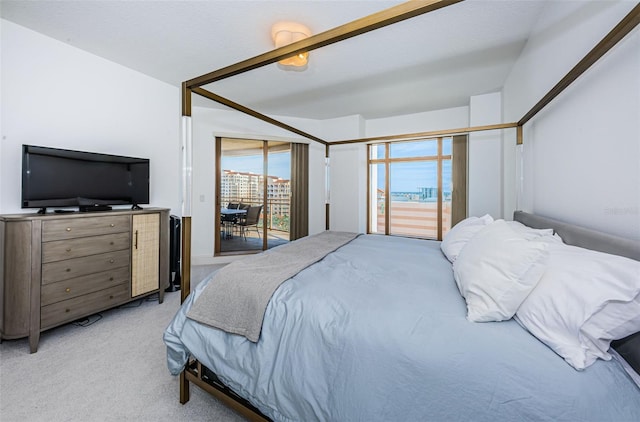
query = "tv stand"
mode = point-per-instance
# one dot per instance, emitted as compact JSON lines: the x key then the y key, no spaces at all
{"x":94,"y":207}
{"x":57,"y":268}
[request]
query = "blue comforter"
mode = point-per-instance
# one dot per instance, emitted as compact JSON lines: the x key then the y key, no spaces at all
{"x":376,"y":331}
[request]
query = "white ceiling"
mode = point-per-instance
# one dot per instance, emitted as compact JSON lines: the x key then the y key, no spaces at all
{"x":429,"y":62}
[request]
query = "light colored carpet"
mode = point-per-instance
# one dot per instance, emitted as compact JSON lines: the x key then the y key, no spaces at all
{"x":112,"y":370}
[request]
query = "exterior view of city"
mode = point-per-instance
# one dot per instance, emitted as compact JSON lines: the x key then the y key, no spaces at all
{"x":247,"y":188}
{"x":414,"y":180}
{"x":419,"y":186}
{"x":413,"y":214}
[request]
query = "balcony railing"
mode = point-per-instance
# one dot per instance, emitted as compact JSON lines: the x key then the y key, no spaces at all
{"x":419,"y":219}
{"x":278,"y":211}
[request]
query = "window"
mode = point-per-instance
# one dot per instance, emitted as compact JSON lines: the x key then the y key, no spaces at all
{"x":411,"y":187}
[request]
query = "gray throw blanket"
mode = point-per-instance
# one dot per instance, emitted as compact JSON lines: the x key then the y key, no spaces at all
{"x":236,"y":299}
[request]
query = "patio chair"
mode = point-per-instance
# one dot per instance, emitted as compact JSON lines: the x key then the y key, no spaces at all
{"x":251,"y":220}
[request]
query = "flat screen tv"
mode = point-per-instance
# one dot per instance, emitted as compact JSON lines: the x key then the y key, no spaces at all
{"x":53,"y":177}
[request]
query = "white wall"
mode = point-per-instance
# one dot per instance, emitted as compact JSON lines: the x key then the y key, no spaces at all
{"x":485,"y":165}
{"x":59,"y":96}
{"x":56,"y":95}
{"x":348,"y":194}
{"x":347,"y":174}
{"x":581,"y":154}
{"x":451,"y":118}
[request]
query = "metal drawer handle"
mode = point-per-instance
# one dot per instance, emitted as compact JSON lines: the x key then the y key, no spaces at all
{"x":110,"y":278}
{"x":110,"y":296}
{"x":67,"y":310}
{"x":136,"y":242}
{"x":67,"y":290}
{"x":112,"y":225}
{"x":111,"y":261}
{"x":68,"y":229}
{"x":68,"y":269}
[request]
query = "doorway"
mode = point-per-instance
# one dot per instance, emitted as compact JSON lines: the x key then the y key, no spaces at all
{"x":253,"y":182}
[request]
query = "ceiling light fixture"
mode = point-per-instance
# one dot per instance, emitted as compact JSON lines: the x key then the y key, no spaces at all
{"x":284,"y":33}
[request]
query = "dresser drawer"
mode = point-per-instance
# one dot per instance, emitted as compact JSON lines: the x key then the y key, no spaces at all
{"x":76,"y":267}
{"x":75,"y":248}
{"x":71,"y":309}
{"x":70,"y":228}
{"x":73,"y":287}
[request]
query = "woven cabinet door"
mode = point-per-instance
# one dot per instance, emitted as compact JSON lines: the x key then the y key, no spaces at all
{"x":145,"y":254}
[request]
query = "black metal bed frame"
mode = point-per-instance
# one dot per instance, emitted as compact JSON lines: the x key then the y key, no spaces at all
{"x":206,"y":379}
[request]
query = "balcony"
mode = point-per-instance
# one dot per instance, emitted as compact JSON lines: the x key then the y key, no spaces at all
{"x":277,"y":218}
{"x":413,"y":219}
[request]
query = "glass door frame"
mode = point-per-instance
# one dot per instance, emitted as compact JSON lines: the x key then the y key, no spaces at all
{"x":218,"y":198}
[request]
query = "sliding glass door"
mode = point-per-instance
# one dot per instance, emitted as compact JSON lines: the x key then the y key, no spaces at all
{"x":278,"y":192}
{"x":253,"y":182}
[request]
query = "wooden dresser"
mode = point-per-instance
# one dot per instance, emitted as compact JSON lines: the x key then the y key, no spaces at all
{"x":57,"y":268}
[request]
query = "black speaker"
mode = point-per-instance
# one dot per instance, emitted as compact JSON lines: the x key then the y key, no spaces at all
{"x":174,"y":253}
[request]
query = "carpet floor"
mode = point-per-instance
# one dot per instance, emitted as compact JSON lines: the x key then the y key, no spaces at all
{"x":111,"y":367}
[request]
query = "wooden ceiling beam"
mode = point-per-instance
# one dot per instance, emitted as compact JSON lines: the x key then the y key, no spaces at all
{"x":360,"y":26}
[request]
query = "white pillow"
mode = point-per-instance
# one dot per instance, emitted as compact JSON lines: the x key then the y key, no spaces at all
{"x":584,"y":300}
{"x":459,"y":235}
{"x":496,"y":271}
{"x":529,"y":232}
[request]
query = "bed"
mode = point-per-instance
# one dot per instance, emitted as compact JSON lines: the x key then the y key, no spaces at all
{"x":378,"y":330}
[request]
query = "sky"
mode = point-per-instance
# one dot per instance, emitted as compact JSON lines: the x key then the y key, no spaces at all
{"x":411,"y":176}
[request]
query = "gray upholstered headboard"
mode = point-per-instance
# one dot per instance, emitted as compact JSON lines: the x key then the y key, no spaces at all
{"x":629,"y":347}
{"x":583,"y":237}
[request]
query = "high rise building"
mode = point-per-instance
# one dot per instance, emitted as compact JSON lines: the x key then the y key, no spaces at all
{"x":247,"y":187}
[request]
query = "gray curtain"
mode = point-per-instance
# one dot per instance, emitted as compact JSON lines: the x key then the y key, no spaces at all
{"x":459,"y":176}
{"x":299,"y":215}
